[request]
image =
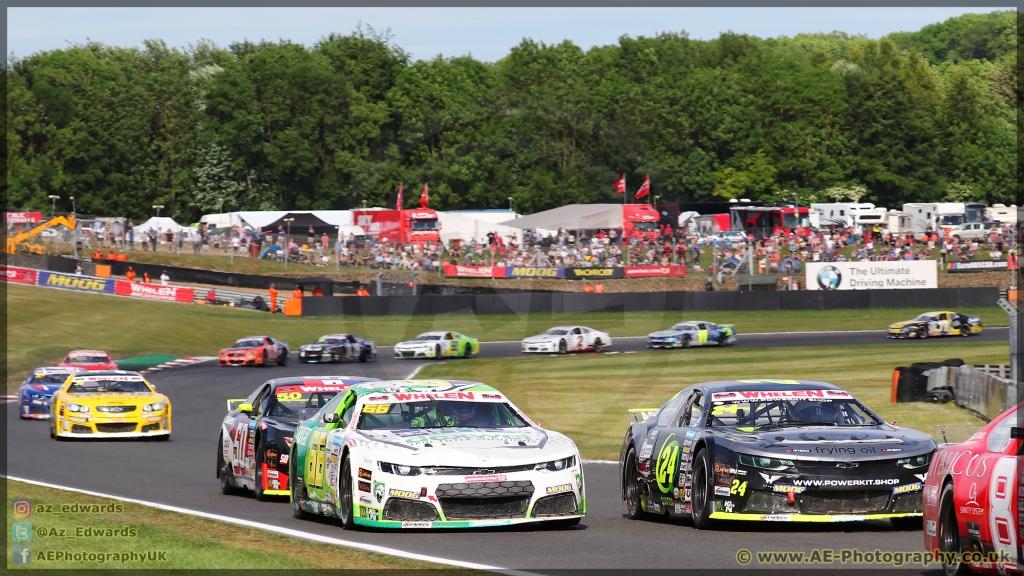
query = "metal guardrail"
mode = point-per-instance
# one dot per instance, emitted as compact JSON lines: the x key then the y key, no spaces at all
{"x":237,"y":299}
{"x":982,"y":390}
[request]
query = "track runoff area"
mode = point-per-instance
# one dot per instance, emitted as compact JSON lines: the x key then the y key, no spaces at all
{"x":179,"y":475}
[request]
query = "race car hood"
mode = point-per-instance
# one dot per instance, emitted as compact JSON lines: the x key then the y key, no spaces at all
{"x":42,"y":389}
{"x":897,"y":325}
{"x":315,"y":346}
{"x":664,"y":333}
{"x":541,"y":338}
{"x":826,"y":443}
{"x":248,"y":349}
{"x":114,"y":399}
{"x":418,"y":343}
{"x":467,"y":447}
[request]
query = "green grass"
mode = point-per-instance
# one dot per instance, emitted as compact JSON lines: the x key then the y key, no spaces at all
{"x":586,"y":396}
{"x":43,"y":324}
{"x":187,"y":541}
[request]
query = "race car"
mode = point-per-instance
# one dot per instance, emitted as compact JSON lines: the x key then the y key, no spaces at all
{"x":943,"y":323}
{"x":338,"y":348}
{"x":88,"y":360}
{"x":433,"y":454}
{"x":35,"y":392}
{"x":565,"y":339}
{"x":111,"y":404}
{"x":771,"y":450}
{"x":438,"y":345}
{"x":256,"y":434}
{"x":693,"y":333}
{"x":974,"y":500}
{"x":254,"y":351}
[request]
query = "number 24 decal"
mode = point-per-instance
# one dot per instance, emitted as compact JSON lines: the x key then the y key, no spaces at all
{"x":738,"y":487}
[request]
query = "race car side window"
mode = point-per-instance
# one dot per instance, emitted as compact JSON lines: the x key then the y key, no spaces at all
{"x":692,"y":410}
{"x":449,"y":336}
{"x":667,"y":414}
{"x":999,"y":438}
{"x":576,"y":331}
{"x":351,"y":338}
{"x":259,"y":405}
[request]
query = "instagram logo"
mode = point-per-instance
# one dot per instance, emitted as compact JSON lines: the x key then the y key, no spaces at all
{"x":21,"y":508}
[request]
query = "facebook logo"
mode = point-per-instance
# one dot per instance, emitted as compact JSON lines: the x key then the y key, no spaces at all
{"x":21,"y":531}
{"x":21,"y":554}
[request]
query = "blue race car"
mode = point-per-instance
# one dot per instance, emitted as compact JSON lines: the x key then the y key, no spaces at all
{"x":693,"y":333}
{"x":35,"y":392}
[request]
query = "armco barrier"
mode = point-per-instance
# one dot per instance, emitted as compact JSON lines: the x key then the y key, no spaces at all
{"x":559,"y":302}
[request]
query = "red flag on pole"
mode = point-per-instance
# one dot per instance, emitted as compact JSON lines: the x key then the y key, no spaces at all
{"x":398,"y":204}
{"x":424,"y":198}
{"x":645,"y":188}
{"x":620,"y":184}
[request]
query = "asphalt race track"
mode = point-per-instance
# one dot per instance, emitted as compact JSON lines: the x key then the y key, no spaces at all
{"x":181,"y":473}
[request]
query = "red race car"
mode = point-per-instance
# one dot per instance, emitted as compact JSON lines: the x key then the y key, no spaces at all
{"x":255,"y":351}
{"x":88,"y":360}
{"x":974,"y":500}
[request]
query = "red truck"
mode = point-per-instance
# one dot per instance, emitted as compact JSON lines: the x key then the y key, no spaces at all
{"x":641,"y":219}
{"x":405,"y":226}
{"x":763,"y":221}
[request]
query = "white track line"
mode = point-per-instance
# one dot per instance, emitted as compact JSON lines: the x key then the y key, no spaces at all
{"x":421,"y":367}
{"x":286,"y":531}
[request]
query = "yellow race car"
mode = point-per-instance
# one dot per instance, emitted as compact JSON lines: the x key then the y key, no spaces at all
{"x":941,"y":323}
{"x":109,"y":404}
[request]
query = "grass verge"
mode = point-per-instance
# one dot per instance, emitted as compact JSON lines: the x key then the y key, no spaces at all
{"x":186,"y":542}
{"x":43,"y":324}
{"x":586,"y":396}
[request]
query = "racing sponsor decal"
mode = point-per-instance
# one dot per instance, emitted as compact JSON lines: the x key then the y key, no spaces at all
{"x":971,"y":507}
{"x":559,"y":489}
{"x":23,"y":217}
{"x":72,"y":282}
{"x":417,"y":524}
{"x":365,"y":500}
{"x":865,"y":482}
{"x":487,"y":478}
{"x":119,"y":378}
{"x":369,"y":513}
{"x":284,"y":459}
{"x":648,"y":271}
{"x":648,"y":448}
{"x":403,"y":494}
{"x":534,"y":272}
{"x":378,"y":491}
{"x":310,"y":388}
{"x":154,"y":292}
{"x":667,"y":464}
{"x":594,"y":273}
{"x":721,"y":490}
{"x":19,"y":275}
{"x":907,"y":488}
{"x":438,"y":395}
{"x":783,"y":394}
{"x":728,"y":506}
{"x":892,"y":450}
{"x":769,"y":478}
{"x":365,"y":474}
{"x":474,"y":271}
{"x":364,"y":487}
{"x":788,"y":488}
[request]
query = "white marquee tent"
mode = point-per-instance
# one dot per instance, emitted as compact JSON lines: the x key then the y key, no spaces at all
{"x":160,"y":224}
{"x":571,"y":217}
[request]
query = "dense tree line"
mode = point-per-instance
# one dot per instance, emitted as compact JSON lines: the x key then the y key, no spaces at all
{"x":919,"y":116}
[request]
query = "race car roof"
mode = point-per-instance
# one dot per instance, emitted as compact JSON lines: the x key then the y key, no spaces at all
{"x":100,"y":374}
{"x":420,"y":386}
{"x":249,"y":338}
{"x":436,"y":333}
{"x":88,"y":352}
{"x":57,"y":370}
{"x":765,"y":384}
{"x":335,"y":336}
{"x":319,"y":380}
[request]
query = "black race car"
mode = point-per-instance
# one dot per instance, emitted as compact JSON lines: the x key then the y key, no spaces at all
{"x":338,"y":348}
{"x":771,"y":450}
{"x":256,"y":435}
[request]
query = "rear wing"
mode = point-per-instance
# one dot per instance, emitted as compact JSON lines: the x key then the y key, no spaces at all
{"x":641,"y":414}
{"x":234,"y":403}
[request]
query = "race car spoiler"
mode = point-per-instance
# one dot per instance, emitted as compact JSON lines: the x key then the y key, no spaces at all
{"x":640,"y":414}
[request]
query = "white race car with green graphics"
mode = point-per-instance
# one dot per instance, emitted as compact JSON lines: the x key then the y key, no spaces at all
{"x":432,"y":454}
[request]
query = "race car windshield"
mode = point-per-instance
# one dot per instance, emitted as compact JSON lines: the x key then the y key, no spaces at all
{"x":789,"y":412}
{"x":330,"y":341}
{"x":247,"y":343}
{"x":86,"y":359}
{"x":925,"y":317}
{"x":295,"y":406}
{"x":48,"y":378}
{"x":684,"y":326}
{"x":439,"y":414}
{"x":424,"y":337}
{"x":112,"y":386}
{"x":554,"y":332}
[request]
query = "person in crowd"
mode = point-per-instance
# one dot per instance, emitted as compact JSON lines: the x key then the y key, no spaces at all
{"x":273,"y":298}
{"x":297,"y":291}
{"x":164,"y":278}
{"x":78,"y":268}
{"x":211,"y":296}
{"x":98,"y":254}
{"x":146,"y":279}
{"x":122,"y":257}
{"x":588,"y":288}
{"x":361,"y":291}
{"x":130,"y":274}
{"x":599,"y":288}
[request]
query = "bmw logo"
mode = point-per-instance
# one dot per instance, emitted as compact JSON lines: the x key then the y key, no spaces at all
{"x":829,"y":278}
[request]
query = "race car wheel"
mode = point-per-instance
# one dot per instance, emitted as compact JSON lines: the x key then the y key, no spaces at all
{"x":631,"y":483}
{"x":562,"y":348}
{"x":965,"y":331}
{"x":258,"y":483}
{"x":298,"y":490}
{"x":949,"y":534}
{"x":283,"y":359}
{"x":364,"y":355}
{"x":922,"y":333}
{"x":686,"y":342}
{"x":345,"y":500}
{"x":597,"y":345}
{"x":53,"y":433}
{"x":701,"y":496}
{"x":464,"y":353}
{"x":224,"y":474}
{"x":437,"y":351}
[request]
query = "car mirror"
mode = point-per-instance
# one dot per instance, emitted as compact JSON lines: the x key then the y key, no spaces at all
{"x":245,"y":408}
{"x":331,"y":418}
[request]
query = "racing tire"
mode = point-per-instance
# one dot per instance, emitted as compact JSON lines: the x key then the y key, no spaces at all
{"x":965,"y":331}
{"x":702,"y":497}
{"x":224,"y":474}
{"x":948,"y":533}
{"x":631,"y":487}
{"x":257,"y":485}
{"x":298,"y":487}
{"x":922,"y":333}
{"x":53,"y":432}
{"x":686,"y":342}
{"x":597,"y":345}
{"x":464,"y":353}
{"x":283,"y":360}
{"x":437,"y":351}
{"x":364,"y":356}
{"x":344,"y":503}
{"x":562,"y":347}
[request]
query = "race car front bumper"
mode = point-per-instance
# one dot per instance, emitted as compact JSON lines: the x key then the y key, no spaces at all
{"x":240,"y":360}
{"x":663,"y":343}
{"x":314,"y":357}
{"x":140,"y":427}
{"x":34,"y":406}
{"x":540,"y":347}
{"x":415,"y":353}
{"x":387,"y":500}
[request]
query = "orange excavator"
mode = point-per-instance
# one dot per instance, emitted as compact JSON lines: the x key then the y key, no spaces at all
{"x":20,"y":243}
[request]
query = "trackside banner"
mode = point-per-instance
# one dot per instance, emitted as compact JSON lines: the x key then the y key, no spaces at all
{"x":154,"y":291}
{"x":595,"y":273}
{"x":559,"y":272}
{"x":19,"y":275}
{"x":981,"y":266}
{"x":648,"y":271}
{"x":72,"y":282}
{"x":900,"y":274}
{"x":474,"y":271}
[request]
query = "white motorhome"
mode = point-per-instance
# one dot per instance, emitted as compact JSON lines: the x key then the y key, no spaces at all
{"x":900,"y":222}
{"x":1002,"y":213}
{"x":950,"y":214}
{"x":846,"y":214}
{"x":924,"y":216}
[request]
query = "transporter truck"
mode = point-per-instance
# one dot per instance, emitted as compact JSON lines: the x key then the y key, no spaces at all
{"x":406,"y":226}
